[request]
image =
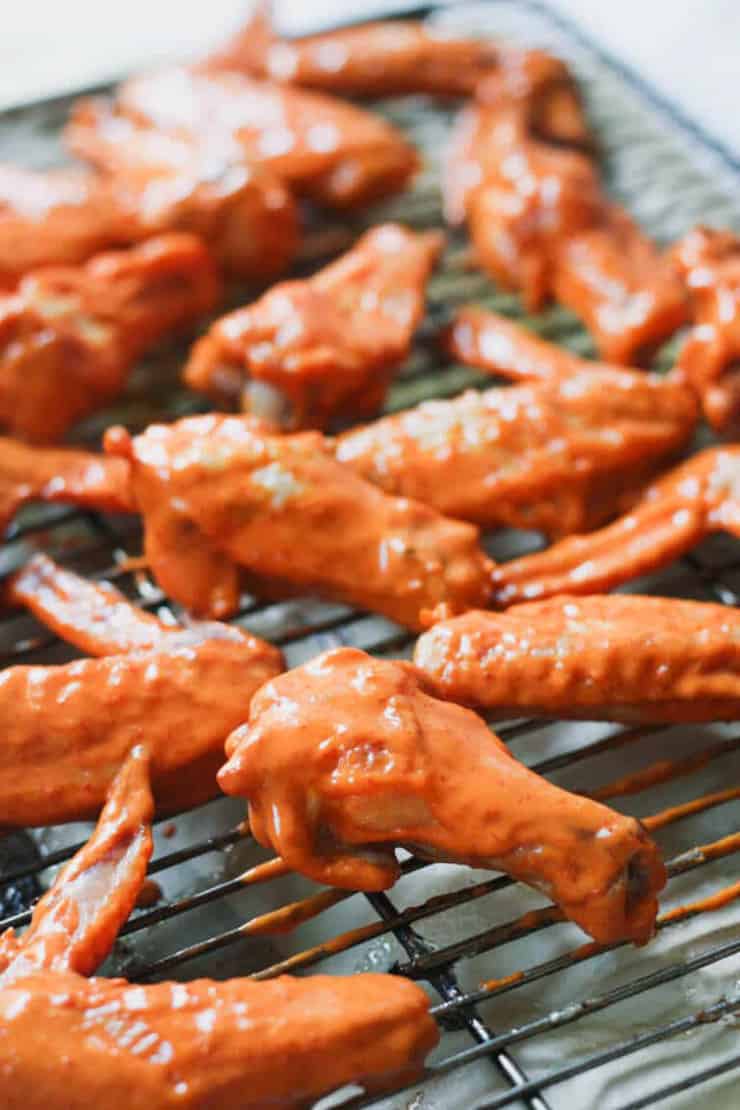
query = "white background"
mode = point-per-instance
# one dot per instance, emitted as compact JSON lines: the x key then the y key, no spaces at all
{"x":690,"y":49}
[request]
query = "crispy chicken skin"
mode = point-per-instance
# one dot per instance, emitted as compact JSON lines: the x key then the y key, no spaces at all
{"x":331,"y":151}
{"x":709,"y":262}
{"x":643,"y":659}
{"x":64,"y":217}
{"x":69,"y":335}
{"x":561,"y":455}
{"x":69,"y":727}
{"x":539,"y":218}
{"x":198,"y":1045}
{"x":376,"y":59}
{"x":310,"y":352}
{"x":348,"y":756}
{"x":219,"y":496}
{"x":696,"y":499}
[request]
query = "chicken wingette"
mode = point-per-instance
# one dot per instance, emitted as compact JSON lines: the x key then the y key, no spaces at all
{"x":693,"y":501}
{"x":69,"y":727}
{"x":563,"y":454}
{"x":311,"y":352}
{"x":620,"y":658}
{"x":326,"y":149}
{"x":68,"y":1043}
{"x":348,"y":757}
{"x":69,"y":335}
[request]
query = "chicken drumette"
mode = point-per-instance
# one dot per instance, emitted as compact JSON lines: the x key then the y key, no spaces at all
{"x":538,"y":215}
{"x":69,"y":1043}
{"x":327,"y":149}
{"x":375,"y":59}
{"x":348,"y":756}
{"x":710,"y":357}
{"x":644,"y":659}
{"x":69,"y":727}
{"x":69,"y":335}
{"x":561,"y":455}
{"x":698,"y":498}
{"x":310,"y":352}
{"x":63,"y":217}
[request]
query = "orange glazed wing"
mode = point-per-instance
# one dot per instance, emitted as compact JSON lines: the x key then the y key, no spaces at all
{"x":311,"y":352}
{"x":248,"y":500}
{"x":376,"y":59}
{"x":710,"y":357}
{"x":673,"y":515}
{"x":348,"y":756}
{"x":69,"y":335}
{"x":643,"y":659}
{"x":561,"y":455}
{"x":329,"y":150}
{"x":72,"y":1044}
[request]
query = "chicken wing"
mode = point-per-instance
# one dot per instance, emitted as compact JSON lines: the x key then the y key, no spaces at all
{"x":348,"y":756}
{"x":643,"y":659}
{"x":69,"y":335}
{"x":63,"y":217}
{"x":710,"y":357}
{"x":693,"y":501}
{"x":540,"y":220}
{"x":561,"y":455}
{"x":106,"y":1042}
{"x":69,"y":727}
{"x":327,"y":149}
{"x":375,"y":59}
{"x":216,"y":489}
{"x":311,"y":352}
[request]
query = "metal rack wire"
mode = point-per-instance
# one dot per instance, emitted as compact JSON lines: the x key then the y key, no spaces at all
{"x":466,"y":1006}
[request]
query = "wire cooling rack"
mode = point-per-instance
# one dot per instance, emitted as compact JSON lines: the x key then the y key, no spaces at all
{"x":507,"y":976}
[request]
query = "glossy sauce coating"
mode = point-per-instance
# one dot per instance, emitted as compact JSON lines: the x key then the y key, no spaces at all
{"x":348,"y":756}
{"x":561,"y":455}
{"x":709,"y":261}
{"x":69,"y":335}
{"x":310,"y":352}
{"x":697,"y":498}
{"x":252,"y":499}
{"x":375,"y":59}
{"x":329,"y":150}
{"x":643,"y":659}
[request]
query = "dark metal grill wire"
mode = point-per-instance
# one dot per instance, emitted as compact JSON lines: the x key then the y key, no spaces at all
{"x":97,"y":545}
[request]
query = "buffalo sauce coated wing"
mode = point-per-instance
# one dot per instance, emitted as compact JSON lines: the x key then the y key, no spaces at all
{"x":327,"y":149}
{"x":698,"y":498}
{"x":560,"y":455}
{"x":710,"y":357}
{"x":348,"y":756}
{"x":376,"y":59}
{"x":644,"y":659}
{"x":69,"y":335}
{"x":312,"y":351}
{"x":217,"y":495}
{"x":67,"y":1043}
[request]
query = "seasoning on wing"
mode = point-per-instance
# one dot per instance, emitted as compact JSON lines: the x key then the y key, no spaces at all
{"x":68,"y":1043}
{"x":710,"y":357}
{"x":69,"y":335}
{"x":63,"y":217}
{"x":218,"y":490}
{"x":327,"y":149}
{"x":538,"y":215}
{"x":375,"y":59}
{"x":69,"y":727}
{"x":347,"y":757}
{"x":311,"y":352}
{"x":698,"y":498}
{"x":620,"y":658}
{"x":563,"y":454}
